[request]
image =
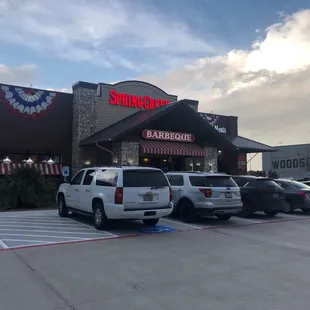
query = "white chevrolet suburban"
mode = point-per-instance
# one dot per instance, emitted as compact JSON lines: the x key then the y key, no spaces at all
{"x":111,"y":193}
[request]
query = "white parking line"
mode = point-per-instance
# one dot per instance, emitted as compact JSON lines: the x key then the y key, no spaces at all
{"x":29,"y":241}
{"x":248,"y":220}
{"x":180,"y":223}
{"x":51,"y":231}
{"x":39,"y":223}
{"x":77,"y":227}
{"x":3,"y":245}
{"x":86,"y":225}
{"x":43,"y":236}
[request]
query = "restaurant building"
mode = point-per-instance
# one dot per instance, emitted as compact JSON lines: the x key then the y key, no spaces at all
{"x":127,"y":123}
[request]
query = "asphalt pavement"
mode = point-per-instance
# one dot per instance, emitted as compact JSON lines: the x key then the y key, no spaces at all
{"x":257,"y":264}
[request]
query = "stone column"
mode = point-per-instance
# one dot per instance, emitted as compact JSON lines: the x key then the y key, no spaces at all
{"x":126,"y":153}
{"x":84,"y":123}
{"x":210,"y":160}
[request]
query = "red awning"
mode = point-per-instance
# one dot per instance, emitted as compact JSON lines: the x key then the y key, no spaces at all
{"x":46,"y":169}
{"x":171,"y":148}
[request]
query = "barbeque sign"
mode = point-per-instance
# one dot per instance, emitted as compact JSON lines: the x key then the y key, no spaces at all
{"x":167,"y":136}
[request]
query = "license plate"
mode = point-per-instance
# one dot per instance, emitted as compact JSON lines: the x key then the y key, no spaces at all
{"x":149,"y":213}
{"x":228,"y":195}
{"x":148,"y":197}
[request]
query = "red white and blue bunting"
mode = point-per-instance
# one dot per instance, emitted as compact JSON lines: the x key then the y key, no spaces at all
{"x":27,"y":102}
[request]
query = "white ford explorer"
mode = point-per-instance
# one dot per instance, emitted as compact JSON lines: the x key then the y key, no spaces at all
{"x":107,"y":193}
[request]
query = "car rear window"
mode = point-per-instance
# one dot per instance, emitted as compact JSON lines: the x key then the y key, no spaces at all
{"x":262,"y":183}
{"x":212,"y":181}
{"x":144,"y":178}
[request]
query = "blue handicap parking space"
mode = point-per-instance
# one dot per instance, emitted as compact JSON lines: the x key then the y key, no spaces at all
{"x":156,"y":229}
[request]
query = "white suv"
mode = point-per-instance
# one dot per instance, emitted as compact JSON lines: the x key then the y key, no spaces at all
{"x":117,"y":193}
{"x":199,"y":193}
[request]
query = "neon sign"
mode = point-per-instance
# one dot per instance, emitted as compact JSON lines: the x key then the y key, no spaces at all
{"x":140,"y":102}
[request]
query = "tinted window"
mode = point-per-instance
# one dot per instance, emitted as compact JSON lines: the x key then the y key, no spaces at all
{"x":299,"y":185}
{"x":77,"y":179}
{"x":241,"y":181}
{"x":107,"y":178}
{"x":282,"y":184}
{"x":176,"y":180}
{"x":212,"y":181}
{"x":262,"y":183}
{"x":144,"y":178}
{"x":89,"y":177}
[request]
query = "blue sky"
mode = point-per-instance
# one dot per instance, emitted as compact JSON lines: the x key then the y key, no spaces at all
{"x":215,"y":26}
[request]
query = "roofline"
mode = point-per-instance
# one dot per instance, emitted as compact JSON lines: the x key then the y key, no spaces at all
{"x":169,"y":108}
{"x":82,"y":84}
{"x":52,"y":91}
{"x":142,"y":82}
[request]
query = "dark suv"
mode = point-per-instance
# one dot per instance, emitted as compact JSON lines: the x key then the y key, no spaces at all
{"x":260,"y":194}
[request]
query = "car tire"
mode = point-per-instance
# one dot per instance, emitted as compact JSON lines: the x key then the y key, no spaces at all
{"x":150,"y":222}
{"x":100,"y":219}
{"x":62,"y":207}
{"x":246,"y":212}
{"x":271,"y":213}
{"x":223,"y":217}
{"x":305,"y":210}
{"x":187,"y":212}
{"x":288,"y":208}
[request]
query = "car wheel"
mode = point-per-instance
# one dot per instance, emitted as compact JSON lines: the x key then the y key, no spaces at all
{"x":271,"y":213}
{"x":62,"y":207}
{"x":187,"y":212}
{"x":246,"y":211}
{"x":305,"y":210}
{"x":100,"y":219}
{"x":288,"y":208}
{"x":150,"y":222}
{"x":223,"y":217}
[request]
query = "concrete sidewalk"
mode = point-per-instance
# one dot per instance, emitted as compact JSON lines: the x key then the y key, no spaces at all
{"x":254,"y":267}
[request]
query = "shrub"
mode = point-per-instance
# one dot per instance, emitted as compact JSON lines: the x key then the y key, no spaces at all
{"x":26,"y":188}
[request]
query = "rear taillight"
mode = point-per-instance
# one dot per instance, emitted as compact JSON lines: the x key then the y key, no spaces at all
{"x":170,"y":194}
{"x":206,"y":192}
{"x":303,"y":195}
{"x":118,"y":198}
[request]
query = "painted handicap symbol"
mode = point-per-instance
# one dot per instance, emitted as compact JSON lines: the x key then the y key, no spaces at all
{"x":156,"y":229}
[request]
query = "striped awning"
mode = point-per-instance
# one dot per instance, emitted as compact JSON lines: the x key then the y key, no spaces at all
{"x":46,"y":169}
{"x":171,"y":148}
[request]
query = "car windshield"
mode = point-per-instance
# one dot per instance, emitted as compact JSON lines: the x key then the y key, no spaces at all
{"x":144,"y":178}
{"x":212,"y":181}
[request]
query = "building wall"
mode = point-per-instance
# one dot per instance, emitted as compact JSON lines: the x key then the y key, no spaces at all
{"x":108,"y":114}
{"x":92,"y":112}
{"x":84,"y":123}
{"x":32,"y":133}
{"x":291,"y":161}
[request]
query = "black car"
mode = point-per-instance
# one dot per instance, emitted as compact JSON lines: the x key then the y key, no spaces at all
{"x":297,"y":195}
{"x":260,"y":194}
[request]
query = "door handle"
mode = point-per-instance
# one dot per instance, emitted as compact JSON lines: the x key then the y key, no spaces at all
{"x":87,"y":190}
{"x":76,"y":189}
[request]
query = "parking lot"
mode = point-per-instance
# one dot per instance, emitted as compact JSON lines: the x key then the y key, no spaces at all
{"x":36,"y":228}
{"x":259,"y":263}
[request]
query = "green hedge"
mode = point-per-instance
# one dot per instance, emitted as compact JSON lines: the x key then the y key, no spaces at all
{"x":26,"y":188}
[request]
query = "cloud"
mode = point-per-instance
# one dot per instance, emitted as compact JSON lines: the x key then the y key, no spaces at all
{"x":23,"y":75}
{"x":103,"y":32}
{"x":267,"y":86}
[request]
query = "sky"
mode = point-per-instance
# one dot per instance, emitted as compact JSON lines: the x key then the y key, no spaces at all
{"x":245,"y":58}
